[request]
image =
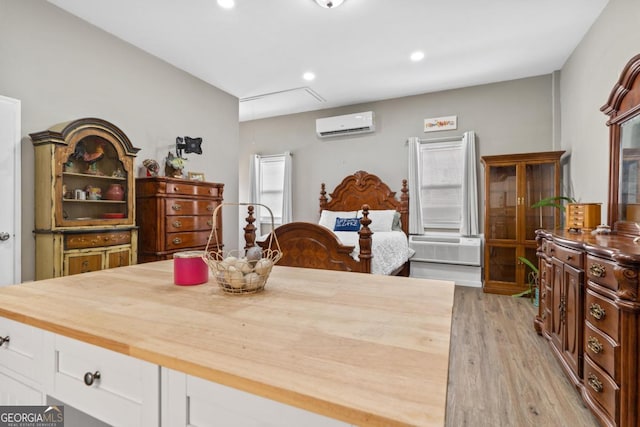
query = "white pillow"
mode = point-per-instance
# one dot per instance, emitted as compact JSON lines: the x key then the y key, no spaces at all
{"x":328,"y":218}
{"x":381,"y":220}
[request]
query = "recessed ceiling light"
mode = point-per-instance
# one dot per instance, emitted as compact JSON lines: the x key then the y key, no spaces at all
{"x":417,"y":56}
{"x":329,"y":4}
{"x":308,"y":76}
{"x":226,"y":4}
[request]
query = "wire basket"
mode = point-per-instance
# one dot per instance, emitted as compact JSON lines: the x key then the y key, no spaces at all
{"x":241,"y":271}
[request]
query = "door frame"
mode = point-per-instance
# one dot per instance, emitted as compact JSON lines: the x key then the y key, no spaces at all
{"x":16,"y":234}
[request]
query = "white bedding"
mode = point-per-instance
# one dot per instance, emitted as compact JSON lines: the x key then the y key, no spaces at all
{"x":390,"y":249}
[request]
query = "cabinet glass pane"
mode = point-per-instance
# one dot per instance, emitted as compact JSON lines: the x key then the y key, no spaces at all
{"x":540,"y":184}
{"x":502,"y":264}
{"x":502,"y":202}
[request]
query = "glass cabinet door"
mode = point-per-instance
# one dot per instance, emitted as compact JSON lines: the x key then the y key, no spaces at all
{"x":502,"y":200}
{"x":540,"y":184}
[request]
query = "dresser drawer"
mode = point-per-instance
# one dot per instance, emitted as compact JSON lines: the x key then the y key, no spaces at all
{"x":602,"y":314}
{"x":569,"y":256}
{"x":602,"y":350}
{"x":192,"y":189}
{"x":601,"y":388}
{"x":187,"y":239}
{"x":21,"y":349}
{"x":95,"y":240}
{"x":600,"y":271}
{"x":190,"y":207}
{"x":123,"y":391}
{"x":188,"y":223}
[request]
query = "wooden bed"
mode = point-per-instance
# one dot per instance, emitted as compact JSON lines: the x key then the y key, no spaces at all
{"x":311,"y":245}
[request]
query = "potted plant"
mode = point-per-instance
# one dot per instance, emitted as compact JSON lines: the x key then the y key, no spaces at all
{"x":532,"y":279}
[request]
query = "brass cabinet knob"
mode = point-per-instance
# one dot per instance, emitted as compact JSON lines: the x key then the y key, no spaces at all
{"x":177,"y":241}
{"x":89,"y":377}
{"x":595,"y":383}
{"x":594,"y":345}
{"x":176,"y":207}
{"x":597,"y":270}
{"x":596,"y":311}
{"x":177,"y":224}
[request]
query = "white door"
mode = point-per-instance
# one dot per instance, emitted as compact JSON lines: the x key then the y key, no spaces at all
{"x":10,"y":247}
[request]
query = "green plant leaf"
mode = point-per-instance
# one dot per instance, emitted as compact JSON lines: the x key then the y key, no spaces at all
{"x":529,"y":264}
{"x":553,"y":202}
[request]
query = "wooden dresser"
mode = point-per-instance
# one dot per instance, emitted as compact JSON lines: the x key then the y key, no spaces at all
{"x":590,"y":312}
{"x":175,"y":215}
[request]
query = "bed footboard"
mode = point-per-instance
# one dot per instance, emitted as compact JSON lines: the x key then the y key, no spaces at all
{"x":309,"y":245}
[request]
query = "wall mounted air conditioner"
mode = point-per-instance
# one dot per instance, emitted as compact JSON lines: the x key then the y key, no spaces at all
{"x":347,"y":124}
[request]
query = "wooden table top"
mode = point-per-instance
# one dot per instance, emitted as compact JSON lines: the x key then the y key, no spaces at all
{"x":362,"y":348}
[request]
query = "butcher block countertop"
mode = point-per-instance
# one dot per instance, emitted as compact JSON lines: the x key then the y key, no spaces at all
{"x":362,"y":348}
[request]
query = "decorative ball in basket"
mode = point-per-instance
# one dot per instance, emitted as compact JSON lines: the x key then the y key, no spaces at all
{"x":241,"y":272}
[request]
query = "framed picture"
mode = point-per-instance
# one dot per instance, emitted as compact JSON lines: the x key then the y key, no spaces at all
{"x":196,"y":176}
{"x":440,"y":123}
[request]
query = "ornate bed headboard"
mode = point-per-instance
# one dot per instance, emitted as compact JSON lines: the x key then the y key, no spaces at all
{"x":364,"y":188}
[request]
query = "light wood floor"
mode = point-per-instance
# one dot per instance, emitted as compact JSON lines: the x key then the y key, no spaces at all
{"x":501,"y":372}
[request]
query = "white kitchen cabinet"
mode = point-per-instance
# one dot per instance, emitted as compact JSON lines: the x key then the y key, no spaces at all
{"x":194,"y":402}
{"x":112,"y":387}
{"x":21,"y":367}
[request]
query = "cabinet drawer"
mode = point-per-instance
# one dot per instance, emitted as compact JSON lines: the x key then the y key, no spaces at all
{"x":602,"y":314}
{"x":95,"y":240}
{"x":125,"y":394}
{"x":600,"y":271}
{"x":187,"y":240}
{"x":567,"y":255}
{"x":602,"y":350}
{"x":601,"y":388}
{"x":21,"y":350}
{"x":188,"y":223}
{"x":192,"y":189}
{"x":190,"y":207}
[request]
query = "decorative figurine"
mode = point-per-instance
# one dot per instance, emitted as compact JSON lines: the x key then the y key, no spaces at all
{"x":152,"y":167}
{"x":174,"y":165}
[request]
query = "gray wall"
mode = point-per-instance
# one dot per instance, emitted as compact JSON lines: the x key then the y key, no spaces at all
{"x":62,"y":68}
{"x":586,"y":82}
{"x":508,"y":117}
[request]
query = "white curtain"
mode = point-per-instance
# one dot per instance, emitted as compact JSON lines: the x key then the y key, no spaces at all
{"x":469,"y":223}
{"x":254,"y":186}
{"x":287,"y":213}
{"x":415,"y":184}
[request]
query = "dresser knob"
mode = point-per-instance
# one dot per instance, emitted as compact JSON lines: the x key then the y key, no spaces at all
{"x":176,"y":188}
{"x":177,"y":241}
{"x":89,"y":378}
{"x":569,"y":257}
{"x":596,"y":311}
{"x":595,"y":383}
{"x":210,"y":208}
{"x":595,"y":345}
{"x":597,"y":270}
{"x":176,"y":207}
{"x":4,"y":340}
{"x":210,"y":223}
{"x":177,"y":224}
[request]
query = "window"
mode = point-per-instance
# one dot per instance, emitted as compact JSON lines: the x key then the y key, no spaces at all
{"x":442,"y":172}
{"x":271,"y":187}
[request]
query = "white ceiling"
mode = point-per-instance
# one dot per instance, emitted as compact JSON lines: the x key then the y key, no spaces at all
{"x":359,"y":51}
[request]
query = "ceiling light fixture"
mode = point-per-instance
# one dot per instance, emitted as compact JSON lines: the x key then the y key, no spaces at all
{"x":417,"y":56}
{"x":308,"y":76}
{"x":329,"y":4}
{"x":226,"y":4}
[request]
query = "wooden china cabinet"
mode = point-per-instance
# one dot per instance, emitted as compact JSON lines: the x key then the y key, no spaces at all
{"x":84,"y":198}
{"x":589,"y":288}
{"x":513,"y":183}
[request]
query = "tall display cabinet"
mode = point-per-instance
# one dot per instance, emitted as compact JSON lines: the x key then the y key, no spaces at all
{"x":512,"y":184}
{"x":84,"y":198}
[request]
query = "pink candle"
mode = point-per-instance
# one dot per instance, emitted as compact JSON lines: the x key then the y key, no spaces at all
{"x":189,"y":268}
